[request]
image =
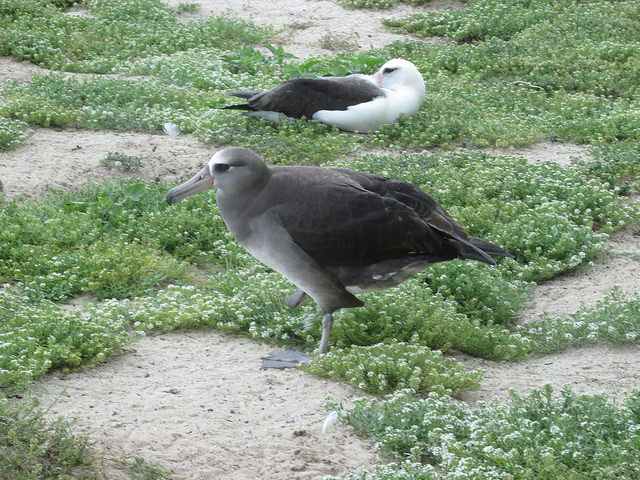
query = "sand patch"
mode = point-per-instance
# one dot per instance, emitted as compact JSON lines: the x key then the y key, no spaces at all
{"x":197,"y":403}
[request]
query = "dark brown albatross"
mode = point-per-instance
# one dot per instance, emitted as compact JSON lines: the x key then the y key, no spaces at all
{"x":332,"y":232}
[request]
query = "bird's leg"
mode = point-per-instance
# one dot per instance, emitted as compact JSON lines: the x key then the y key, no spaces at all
{"x":327,"y":323}
{"x":296,"y":299}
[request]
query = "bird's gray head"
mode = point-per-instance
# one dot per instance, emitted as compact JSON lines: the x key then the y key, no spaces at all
{"x":399,"y":73}
{"x":232,"y":171}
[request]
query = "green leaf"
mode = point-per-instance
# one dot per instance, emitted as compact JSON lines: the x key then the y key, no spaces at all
{"x":135,"y":192}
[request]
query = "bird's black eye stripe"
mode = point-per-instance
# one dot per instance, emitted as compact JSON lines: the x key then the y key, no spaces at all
{"x":388,"y":70}
{"x":221,"y":167}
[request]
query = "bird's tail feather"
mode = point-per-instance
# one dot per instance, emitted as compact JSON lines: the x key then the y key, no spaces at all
{"x":478,"y":249}
{"x":246,"y":94}
{"x":238,"y":107}
{"x":243,"y":93}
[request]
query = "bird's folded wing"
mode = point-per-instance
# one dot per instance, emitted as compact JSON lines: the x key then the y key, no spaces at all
{"x":302,"y":97}
{"x":342,"y":224}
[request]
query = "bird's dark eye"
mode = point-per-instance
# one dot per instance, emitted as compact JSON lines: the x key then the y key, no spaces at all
{"x":221,"y":167}
{"x":388,"y":70}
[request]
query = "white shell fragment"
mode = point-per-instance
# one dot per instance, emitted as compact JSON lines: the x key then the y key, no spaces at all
{"x":171,"y":129}
{"x":331,"y":419}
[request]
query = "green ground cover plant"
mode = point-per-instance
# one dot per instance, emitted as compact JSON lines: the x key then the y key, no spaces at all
{"x":249,"y":301}
{"x":111,"y":32}
{"x":33,"y":447}
{"x":98,"y":102}
{"x":57,"y":250}
{"x":379,"y":4}
{"x":383,"y":368}
{"x":614,"y":319}
{"x":538,"y":435}
{"x":121,"y":161}
{"x":547,"y":70}
{"x":37,"y":336}
{"x":12,"y":133}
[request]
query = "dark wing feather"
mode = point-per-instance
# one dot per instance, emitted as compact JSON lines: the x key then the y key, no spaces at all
{"x":437,"y":217}
{"x":351,"y":218}
{"x":241,"y":94}
{"x":488,"y":248}
{"x":302,"y":97}
{"x":244,"y":93}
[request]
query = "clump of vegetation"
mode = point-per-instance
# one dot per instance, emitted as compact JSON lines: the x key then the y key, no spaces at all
{"x":539,"y":435}
{"x":384,"y":368}
{"x":113,"y":269}
{"x":187,"y":7}
{"x":60,"y":250}
{"x":614,"y":319}
{"x":336,"y":43}
{"x":12,"y":133}
{"x":65,"y":4}
{"x":378,"y":4}
{"x":39,"y":335}
{"x":33,"y":447}
{"x":98,"y":102}
{"x":121,"y":161}
{"x":114,"y":32}
{"x":415,"y":314}
{"x":482,"y":20}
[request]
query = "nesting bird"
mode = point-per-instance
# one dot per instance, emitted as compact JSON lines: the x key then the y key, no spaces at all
{"x":356,"y":103}
{"x":333,"y":232}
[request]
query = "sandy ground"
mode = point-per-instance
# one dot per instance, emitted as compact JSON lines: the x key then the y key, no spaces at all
{"x":65,"y":159}
{"x":316,"y":27}
{"x":196,"y":402}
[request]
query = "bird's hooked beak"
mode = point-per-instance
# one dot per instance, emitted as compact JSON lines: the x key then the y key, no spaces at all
{"x":200,"y":181}
{"x":378,"y":77}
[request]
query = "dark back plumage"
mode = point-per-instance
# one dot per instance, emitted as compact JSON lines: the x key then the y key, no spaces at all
{"x":342,"y":217}
{"x":302,"y":97}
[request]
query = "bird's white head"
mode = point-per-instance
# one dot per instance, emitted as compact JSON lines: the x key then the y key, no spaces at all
{"x":232,"y":170}
{"x":400,"y":74}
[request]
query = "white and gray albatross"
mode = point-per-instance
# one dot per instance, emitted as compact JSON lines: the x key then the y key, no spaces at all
{"x":332,"y":232}
{"x":356,"y":103}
